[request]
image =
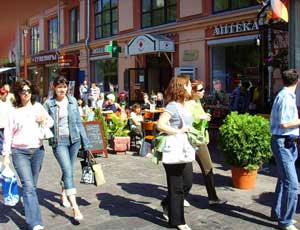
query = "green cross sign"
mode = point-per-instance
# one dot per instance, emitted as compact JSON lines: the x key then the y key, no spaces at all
{"x":113,"y":48}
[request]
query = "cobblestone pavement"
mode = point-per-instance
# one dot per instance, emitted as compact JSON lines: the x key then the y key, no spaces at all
{"x":131,"y":198}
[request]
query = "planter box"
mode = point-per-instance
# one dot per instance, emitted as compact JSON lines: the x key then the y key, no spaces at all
{"x":120,"y":144}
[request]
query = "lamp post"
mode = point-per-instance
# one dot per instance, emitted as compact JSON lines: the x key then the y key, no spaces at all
{"x":25,"y":33}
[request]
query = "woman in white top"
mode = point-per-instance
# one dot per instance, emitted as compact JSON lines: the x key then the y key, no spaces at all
{"x":22,"y":139}
{"x":136,"y":119}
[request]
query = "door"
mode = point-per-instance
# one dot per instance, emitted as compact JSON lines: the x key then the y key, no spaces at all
{"x":135,"y":82}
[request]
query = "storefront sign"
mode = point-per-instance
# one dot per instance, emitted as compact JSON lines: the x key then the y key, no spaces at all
{"x":69,"y":60}
{"x":50,"y":57}
{"x":235,"y":28}
{"x":149,"y":43}
{"x":190,"y":55}
{"x":99,"y":51}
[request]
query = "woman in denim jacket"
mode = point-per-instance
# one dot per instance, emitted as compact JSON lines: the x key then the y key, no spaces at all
{"x":68,"y":132}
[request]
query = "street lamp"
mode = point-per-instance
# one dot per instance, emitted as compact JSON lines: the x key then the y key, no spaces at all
{"x":25,"y":33}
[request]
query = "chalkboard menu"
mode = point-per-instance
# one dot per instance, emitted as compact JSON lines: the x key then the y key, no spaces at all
{"x":95,"y":135}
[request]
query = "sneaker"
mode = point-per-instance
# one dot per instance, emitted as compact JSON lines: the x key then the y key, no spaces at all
{"x":38,"y":227}
{"x":290,"y":227}
{"x":186,"y":203}
{"x":183,"y":227}
{"x":217,"y":202}
{"x":165,"y":213}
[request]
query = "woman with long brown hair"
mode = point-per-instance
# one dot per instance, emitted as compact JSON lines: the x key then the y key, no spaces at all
{"x":176,"y":119}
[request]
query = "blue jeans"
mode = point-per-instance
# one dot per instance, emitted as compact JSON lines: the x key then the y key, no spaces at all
{"x":28,"y":163}
{"x":287,"y":184}
{"x":66,"y":154}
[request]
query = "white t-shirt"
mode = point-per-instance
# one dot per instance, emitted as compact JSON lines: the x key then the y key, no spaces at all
{"x":63,"y":125}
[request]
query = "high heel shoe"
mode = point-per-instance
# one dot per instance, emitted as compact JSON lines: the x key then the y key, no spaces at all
{"x":77,"y":215}
{"x":65,"y":202}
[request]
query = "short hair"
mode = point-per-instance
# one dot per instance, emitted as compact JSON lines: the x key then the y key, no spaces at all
{"x":136,"y":106}
{"x":290,"y":77}
{"x":60,"y":80}
{"x":19,"y":87}
{"x":176,"y":91}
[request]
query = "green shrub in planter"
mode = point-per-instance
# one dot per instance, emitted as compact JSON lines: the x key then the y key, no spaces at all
{"x":245,"y":140}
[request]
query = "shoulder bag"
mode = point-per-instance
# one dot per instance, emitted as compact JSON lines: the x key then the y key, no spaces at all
{"x":177,"y":148}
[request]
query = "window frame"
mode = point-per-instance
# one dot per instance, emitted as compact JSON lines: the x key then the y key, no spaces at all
{"x":230,"y":6}
{"x":152,"y":10}
{"x":74,"y":38}
{"x":34,"y":39}
{"x":52,"y":36}
{"x":111,"y":24}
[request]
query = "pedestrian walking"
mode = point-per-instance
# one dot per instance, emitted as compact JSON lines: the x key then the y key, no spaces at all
{"x":22,"y":139}
{"x":202,"y":154}
{"x":84,"y":91}
{"x":68,"y":132}
{"x":284,"y":128}
{"x":179,"y":176}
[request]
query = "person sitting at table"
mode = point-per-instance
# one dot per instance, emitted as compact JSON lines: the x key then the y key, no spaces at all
{"x":160,"y":102}
{"x":100,"y":100}
{"x":109,"y":104}
{"x":147,"y":102}
{"x":136,"y":119}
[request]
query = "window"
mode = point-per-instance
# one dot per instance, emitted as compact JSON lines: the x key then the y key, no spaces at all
{"x":74,"y":26}
{"x":53,"y":34}
{"x":224,"y":5}
{"x":106,"y":18}
{"x":35,"y":40}
{"x":157,"y":12}
{"x":106,"y":73}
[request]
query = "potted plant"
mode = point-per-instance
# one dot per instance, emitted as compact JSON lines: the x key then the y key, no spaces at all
{"x":245,"y":142}
{"x":118,"y":131}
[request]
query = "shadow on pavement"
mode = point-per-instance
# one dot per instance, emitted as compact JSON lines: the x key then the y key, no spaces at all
{"x":239,"y":213}
{"x":124,"y":207}
{"x":48,"y":199}
{"x":148,"y":190}
{"x":15,"y":214}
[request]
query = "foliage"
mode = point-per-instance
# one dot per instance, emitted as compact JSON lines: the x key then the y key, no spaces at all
{"x":117,"y":126}
{"x":245,"y":140}
{"x":99,"y":117}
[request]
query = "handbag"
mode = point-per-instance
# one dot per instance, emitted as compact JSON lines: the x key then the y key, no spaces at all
{"x":177,"y":148}
{"x":97,"y":170}
{"x":9,"y":187}
{"x":87,"y":176}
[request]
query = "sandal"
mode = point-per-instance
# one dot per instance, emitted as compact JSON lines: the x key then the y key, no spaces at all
{"x":65,"y":202}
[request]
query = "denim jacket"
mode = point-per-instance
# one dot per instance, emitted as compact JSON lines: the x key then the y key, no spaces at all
{"x":76,"y":129}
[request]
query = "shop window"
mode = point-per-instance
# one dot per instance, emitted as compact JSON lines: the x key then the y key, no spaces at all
{"x":224,"y":5}
{"x":74,"y":26}
{"x":157,"y":12}
{"x":106,"y":74}
{"x":106,"y":18}
{"x":230,"y":66}
{"x":53,"y":34}
{"x":35,"y":40}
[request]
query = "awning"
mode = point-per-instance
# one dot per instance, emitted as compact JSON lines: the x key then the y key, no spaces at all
{"x":3,"y":69}
{"x":149,"y":43}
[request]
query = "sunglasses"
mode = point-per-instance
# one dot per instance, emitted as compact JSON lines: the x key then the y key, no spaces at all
{"x":24,"y":91}
{"x":200,"y":90}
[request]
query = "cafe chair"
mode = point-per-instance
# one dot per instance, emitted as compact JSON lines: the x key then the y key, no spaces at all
{"x":148,"y":130}
{"x":148,"y":115}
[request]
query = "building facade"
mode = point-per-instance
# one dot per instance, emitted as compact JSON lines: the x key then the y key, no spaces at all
{"x":211,"y":40}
